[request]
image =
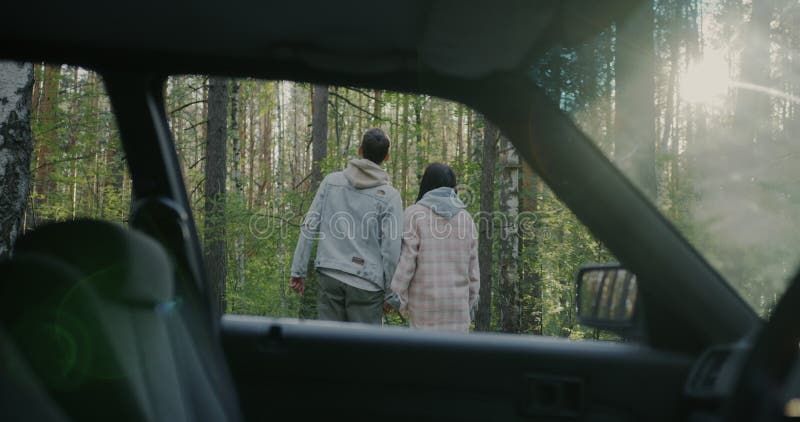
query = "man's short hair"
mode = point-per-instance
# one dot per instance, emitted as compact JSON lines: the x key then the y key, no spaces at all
{"x":375,"y":145}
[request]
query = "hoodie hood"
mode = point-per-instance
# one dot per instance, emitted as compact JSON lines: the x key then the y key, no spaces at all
{"x":363,"y":173}
{"x":442,"y":201}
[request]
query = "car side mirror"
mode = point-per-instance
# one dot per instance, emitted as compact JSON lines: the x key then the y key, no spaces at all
{"x":607,"y":298}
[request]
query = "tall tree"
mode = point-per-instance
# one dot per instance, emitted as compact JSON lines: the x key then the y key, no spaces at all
{"x":634,"y":72}
{"x":251,"y":149}
{"x":49,"y":122}
{"x":405,"y":139}
{"x":530,"y":188}
{"x":377,"y":108}
{"x":216,"y":158}
{"x":319,"y":141}
{"x":422,"y":158}
{"x":237,"y":141}
{"x":460,"y":134}
{"x":445,"y":139}
{"x":483,"y":316}
{"x":319,"y":130}
{"x":509,"y":244}
{"x":265,"y":132}
{"x":16,"y":85}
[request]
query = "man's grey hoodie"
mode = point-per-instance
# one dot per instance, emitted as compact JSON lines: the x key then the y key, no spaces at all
{"x":357,"y":218}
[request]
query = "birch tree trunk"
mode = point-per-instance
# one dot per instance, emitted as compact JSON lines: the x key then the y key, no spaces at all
{"x":16,"y":85}
{"x":215,"y":245}
{"x":509,"y":240}
{"x":238,"y":183}
{"x":251,"y":150}
{"x":460,"y":135}
{"x":406,"y":162}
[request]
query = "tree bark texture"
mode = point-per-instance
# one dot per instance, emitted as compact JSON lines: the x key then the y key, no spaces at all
{"x":530,"y":276}
{"x":47,"y":139}
{"x":509,"y":240}
{"x":319,"y":142}
{"x":483,"y":316}
{"x":319,"y":132}
{"x":16,"y":86}
{"x":237,"y":142}
{"x":215,"y":245}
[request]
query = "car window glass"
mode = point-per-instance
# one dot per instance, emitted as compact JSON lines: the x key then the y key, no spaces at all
{"x":77,"y":165}
{"x":697,"y":103}
{"x":270,"y":147}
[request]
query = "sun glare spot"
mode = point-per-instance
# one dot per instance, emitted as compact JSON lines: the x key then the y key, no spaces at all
{"x":706,"y":81}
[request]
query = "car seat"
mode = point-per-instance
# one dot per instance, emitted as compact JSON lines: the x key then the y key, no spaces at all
{"x":92,"y":308}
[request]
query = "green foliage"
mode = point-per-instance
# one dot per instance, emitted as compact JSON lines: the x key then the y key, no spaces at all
{"x":78,"y":168}
{"x":78,"y":165}
{"x":87,"y":178}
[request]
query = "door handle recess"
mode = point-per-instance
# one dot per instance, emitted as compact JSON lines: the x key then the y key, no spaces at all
{"x":553,"y":396}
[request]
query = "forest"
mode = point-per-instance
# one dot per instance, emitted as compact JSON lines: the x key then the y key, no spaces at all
{"x":687,"y":97}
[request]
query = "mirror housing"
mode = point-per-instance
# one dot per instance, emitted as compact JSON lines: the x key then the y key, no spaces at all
{"x":607,"y":299}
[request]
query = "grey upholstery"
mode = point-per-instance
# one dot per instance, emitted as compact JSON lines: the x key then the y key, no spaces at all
{"x":22,"y":397}
{"x":92,"y":308}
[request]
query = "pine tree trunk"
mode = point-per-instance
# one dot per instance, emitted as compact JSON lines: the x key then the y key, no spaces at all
{"x":319,"y":141}
{"x":319,"y":132}
{"x":460,"y":135}
{"x":528,"y":228}
{"x":483,"y":316}
{"x":215,"y":244}
{"x":47,"y":139}
{"x":16,"y":85}
{"x":377,"y":109}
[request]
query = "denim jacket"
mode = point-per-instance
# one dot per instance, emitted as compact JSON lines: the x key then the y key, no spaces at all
{"x":357,"y":218}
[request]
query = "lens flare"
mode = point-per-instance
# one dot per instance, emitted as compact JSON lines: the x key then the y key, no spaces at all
{"x":706,"y":81}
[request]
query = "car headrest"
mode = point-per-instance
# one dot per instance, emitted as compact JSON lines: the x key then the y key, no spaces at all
{"x":22,"y":396}
{"x":121,"y":264}
{"x":52,"y":316}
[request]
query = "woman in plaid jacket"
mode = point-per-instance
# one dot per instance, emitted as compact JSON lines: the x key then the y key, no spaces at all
{"x":437,"y":278}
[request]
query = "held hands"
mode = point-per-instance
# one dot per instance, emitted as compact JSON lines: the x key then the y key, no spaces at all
{"x":389,"y":308}
{"x":298,"y":284}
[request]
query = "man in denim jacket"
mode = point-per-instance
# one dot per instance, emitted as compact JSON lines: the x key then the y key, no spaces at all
{"x":356,"y":217}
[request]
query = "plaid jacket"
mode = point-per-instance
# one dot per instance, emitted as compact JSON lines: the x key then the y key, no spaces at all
{"x":438,"y":277}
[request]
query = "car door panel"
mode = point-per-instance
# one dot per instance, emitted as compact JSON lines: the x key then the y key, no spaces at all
{"x":312,"y":369}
